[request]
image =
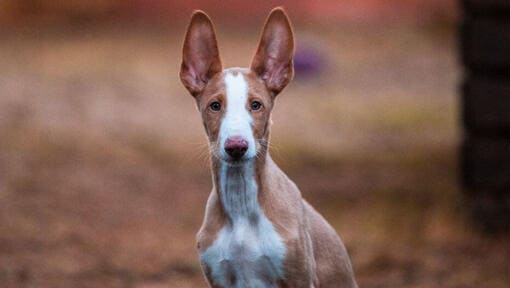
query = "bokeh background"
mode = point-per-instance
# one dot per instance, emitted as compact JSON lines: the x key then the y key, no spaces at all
{"x":104,"y":166}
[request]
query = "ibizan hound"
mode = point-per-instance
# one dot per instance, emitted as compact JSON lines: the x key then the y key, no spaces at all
{"x":258,"y":231}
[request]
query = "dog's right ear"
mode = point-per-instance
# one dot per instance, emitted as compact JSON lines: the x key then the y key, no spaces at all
{"x":200,"y":55}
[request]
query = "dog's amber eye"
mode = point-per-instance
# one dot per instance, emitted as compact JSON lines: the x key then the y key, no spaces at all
{"x":255,"y":105}
{"x":215,"y":106}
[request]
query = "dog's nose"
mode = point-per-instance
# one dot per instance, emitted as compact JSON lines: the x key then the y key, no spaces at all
{"x":236,"y":146}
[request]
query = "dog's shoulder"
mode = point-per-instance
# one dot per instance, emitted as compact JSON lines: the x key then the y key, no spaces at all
{"x":214,"y":220}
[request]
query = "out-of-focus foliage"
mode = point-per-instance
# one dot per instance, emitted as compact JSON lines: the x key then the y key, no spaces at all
{"x":61,"y":11}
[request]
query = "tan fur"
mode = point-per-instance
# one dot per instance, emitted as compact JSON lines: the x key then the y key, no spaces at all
{"x":315,"y":255}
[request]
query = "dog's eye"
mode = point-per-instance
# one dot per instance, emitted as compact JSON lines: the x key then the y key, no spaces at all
{"x":255,"y":105}
{"x":215,"y":106}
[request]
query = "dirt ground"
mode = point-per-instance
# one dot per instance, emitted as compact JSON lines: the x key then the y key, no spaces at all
{"x":104,"y":168}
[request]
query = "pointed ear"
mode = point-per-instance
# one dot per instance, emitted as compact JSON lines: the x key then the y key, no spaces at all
{"x":273,"y":60}
{"x":200,"y":55}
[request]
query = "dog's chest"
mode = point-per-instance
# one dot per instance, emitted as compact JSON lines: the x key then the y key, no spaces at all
{"x":248,"y":251}
{"x":246,"y":254}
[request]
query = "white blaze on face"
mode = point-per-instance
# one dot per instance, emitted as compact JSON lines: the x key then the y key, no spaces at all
{"x":237,"y":121}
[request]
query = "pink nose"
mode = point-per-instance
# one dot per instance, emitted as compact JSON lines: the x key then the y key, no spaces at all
{"x":236,"y":146}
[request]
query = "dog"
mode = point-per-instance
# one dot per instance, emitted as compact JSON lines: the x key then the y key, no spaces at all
{"x":258,"y":231}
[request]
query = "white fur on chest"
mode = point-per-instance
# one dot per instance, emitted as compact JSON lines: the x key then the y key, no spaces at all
{"x":248,"y":252}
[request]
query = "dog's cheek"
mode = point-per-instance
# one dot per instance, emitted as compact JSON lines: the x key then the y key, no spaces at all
{"x":213,"y":121}
{"x":260,"y":125}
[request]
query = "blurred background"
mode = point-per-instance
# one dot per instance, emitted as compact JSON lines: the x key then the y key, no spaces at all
{"x":104,"y":165}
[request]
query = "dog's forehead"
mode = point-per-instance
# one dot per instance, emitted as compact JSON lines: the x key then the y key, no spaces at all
{"x":218,"y":85}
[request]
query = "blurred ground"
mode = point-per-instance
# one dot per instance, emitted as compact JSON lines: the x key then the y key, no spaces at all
{"x":103,"y":162}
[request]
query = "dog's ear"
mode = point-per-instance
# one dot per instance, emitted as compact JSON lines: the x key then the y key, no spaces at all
{"x":200,"y":55}
{"x":273,"y":60}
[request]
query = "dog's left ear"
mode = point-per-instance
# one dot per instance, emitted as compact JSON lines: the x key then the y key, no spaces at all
{"x":273,"y":60}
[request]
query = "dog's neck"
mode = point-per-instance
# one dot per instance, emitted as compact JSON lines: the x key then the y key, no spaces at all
{"x":238,"y":187}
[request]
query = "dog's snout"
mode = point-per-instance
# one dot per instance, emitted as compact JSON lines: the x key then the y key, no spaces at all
{"x":236,"y":147}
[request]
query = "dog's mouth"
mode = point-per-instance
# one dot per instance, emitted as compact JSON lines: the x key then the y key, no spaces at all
{"x":235,"y":162}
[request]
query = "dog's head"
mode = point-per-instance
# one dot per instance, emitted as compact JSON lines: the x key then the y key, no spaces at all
{"x":236,"y":103}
